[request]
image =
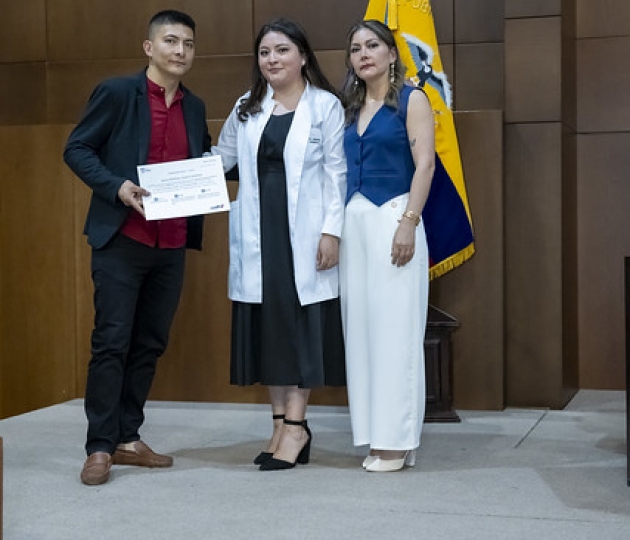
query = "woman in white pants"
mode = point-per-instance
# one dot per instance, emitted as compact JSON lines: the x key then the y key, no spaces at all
{"x":384,"y":274}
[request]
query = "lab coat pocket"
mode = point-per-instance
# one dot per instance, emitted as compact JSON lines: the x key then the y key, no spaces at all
{"x":314,"y":148}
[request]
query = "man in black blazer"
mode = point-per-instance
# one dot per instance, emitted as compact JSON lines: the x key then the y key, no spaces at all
{"x":137,"y":265}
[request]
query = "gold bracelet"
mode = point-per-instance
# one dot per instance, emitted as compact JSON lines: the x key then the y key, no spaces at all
{"x":410,"y":214}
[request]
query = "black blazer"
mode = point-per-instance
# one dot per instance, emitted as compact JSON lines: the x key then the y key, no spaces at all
{"x":112,"y":139}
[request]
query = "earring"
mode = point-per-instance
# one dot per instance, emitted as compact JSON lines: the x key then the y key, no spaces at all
{"x":355,"y":84}
{"x":392,"y":73}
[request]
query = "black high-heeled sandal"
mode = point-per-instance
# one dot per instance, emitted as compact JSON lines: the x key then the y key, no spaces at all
{"x":303,"y":457}
{"x":264,"y":456}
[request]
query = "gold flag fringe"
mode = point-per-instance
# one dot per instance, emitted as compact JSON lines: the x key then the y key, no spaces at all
{"x":452,"y":262}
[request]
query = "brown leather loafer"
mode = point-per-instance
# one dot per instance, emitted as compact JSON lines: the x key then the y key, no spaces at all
{"x":141,"y":456}
{"x":96,"y":469}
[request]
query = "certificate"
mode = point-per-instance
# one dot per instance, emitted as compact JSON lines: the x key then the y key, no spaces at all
{"x":184,"y":188}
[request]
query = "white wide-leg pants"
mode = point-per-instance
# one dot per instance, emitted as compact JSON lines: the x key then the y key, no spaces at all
{"x":384,"y":310}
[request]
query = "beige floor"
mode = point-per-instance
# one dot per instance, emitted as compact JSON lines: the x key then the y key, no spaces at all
{"x":516,"y":474}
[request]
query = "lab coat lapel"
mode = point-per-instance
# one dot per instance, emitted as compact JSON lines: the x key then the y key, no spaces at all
{"x":256,"y":123}
{"x":295,"y":152}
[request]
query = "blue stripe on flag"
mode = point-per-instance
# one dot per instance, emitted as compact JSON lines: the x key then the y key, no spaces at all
{"x":446,"y":223}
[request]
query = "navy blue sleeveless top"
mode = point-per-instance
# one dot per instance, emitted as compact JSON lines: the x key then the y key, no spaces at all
{"x":380,"y":163}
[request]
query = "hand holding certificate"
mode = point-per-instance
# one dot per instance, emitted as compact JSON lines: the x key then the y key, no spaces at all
{"x":184,"y":188}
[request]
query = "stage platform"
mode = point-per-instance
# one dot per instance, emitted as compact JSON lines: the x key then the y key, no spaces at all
{"x":515,"y":474}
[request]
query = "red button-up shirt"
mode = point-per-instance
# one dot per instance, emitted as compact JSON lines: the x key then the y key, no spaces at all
{"x":169,"y":142}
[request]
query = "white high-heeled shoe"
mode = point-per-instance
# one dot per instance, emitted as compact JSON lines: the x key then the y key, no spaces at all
{"x":368,"y":461}
{"x":390,"y":465}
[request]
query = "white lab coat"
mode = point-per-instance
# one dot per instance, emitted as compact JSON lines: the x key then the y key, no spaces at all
{"x":316,"y":188}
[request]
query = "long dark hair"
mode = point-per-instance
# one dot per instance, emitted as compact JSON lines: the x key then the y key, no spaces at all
{"x":353,"y":89}
{"x":310,"y":70}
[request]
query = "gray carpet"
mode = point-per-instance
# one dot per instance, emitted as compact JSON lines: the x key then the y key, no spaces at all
{"x":516,"y":474}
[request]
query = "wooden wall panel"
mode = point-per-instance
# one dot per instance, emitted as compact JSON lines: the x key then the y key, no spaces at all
{"x":604,"y":18}
{"x":223,"y":28}
{"x":115,"y":29}
{"x":196,"y":365}
{"x":602,"y":108}
{"x":84,"y":304}
{"x":326,"y":21}
{"x":603,"y":162}
{"x":444,"y":17}
{"x":37,"y":284}
{"x":219,"y":81}
{"x":96,"y":30}
{"x":570,"y":285}
{"x":23,"y":100}
{"x":474,"y":292}
{"x":533,"y":69}
{"x":569,"y":19}
{"x":479,"y":21}
{"x":603,"y":96}
{"x":533,"y":264}
{"x":569,"y":67}
{"x":71,"y":83}
{"x":532,"y":8}
{"x":333,"y":64}
{"x":480,"y":76}
{"x":23,"y":36}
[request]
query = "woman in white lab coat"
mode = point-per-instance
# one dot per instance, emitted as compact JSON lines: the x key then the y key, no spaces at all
{"x":286,"y":136}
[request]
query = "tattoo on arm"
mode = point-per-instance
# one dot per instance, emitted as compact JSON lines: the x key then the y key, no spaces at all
{"x":412,"y":143}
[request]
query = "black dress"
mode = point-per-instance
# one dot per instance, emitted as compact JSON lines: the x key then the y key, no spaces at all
{"x":280,"y":342}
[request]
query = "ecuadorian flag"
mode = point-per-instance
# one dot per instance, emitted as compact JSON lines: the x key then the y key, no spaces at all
{"x":446,"y":214}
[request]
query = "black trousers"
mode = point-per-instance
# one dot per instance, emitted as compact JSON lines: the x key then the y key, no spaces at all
{"x":136,"y":292}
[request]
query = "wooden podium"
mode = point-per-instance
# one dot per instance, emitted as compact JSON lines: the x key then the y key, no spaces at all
{"x":438,"y":360}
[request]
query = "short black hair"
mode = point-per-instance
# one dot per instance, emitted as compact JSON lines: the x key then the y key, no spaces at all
{"x":171,"y":16}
